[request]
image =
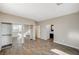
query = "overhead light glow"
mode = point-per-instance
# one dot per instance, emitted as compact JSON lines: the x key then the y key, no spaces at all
{"x":59,"y":52}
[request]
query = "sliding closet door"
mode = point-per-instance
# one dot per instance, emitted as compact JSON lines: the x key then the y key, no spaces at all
{"x":6,"y":29}
{"x":0,"y":37}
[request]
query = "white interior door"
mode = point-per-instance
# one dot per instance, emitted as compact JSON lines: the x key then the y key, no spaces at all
{"x":0,"y":37}
{"x":6,"y":33}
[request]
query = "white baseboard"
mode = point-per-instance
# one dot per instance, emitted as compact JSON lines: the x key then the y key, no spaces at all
{"x":65,"y":44}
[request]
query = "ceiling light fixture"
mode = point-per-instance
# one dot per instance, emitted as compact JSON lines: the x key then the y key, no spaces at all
{"x":59,"y":4}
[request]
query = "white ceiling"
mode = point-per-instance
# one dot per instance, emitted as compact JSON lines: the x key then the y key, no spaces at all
{"x":39,"y":11}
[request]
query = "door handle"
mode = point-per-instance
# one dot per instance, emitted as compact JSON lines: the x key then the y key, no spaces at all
{"x":6,"y":35}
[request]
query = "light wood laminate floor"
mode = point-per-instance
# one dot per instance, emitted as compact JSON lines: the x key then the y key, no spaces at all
{"x":38,"y":47}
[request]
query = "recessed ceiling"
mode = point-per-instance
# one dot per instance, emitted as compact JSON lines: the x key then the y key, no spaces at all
{"x":39,"y":11}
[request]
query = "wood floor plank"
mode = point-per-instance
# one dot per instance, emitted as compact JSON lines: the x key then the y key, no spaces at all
{"x":37,"y":47}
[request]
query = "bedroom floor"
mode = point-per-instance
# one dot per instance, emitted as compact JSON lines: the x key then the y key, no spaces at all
{"x":38,"y":47}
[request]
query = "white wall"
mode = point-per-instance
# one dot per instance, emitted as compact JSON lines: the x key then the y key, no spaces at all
{"x":44,"y":31}
{"x":66,"y":30}
{"x":15,"y":19}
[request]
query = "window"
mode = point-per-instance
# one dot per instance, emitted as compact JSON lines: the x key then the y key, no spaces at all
{"x":17,"y":28}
